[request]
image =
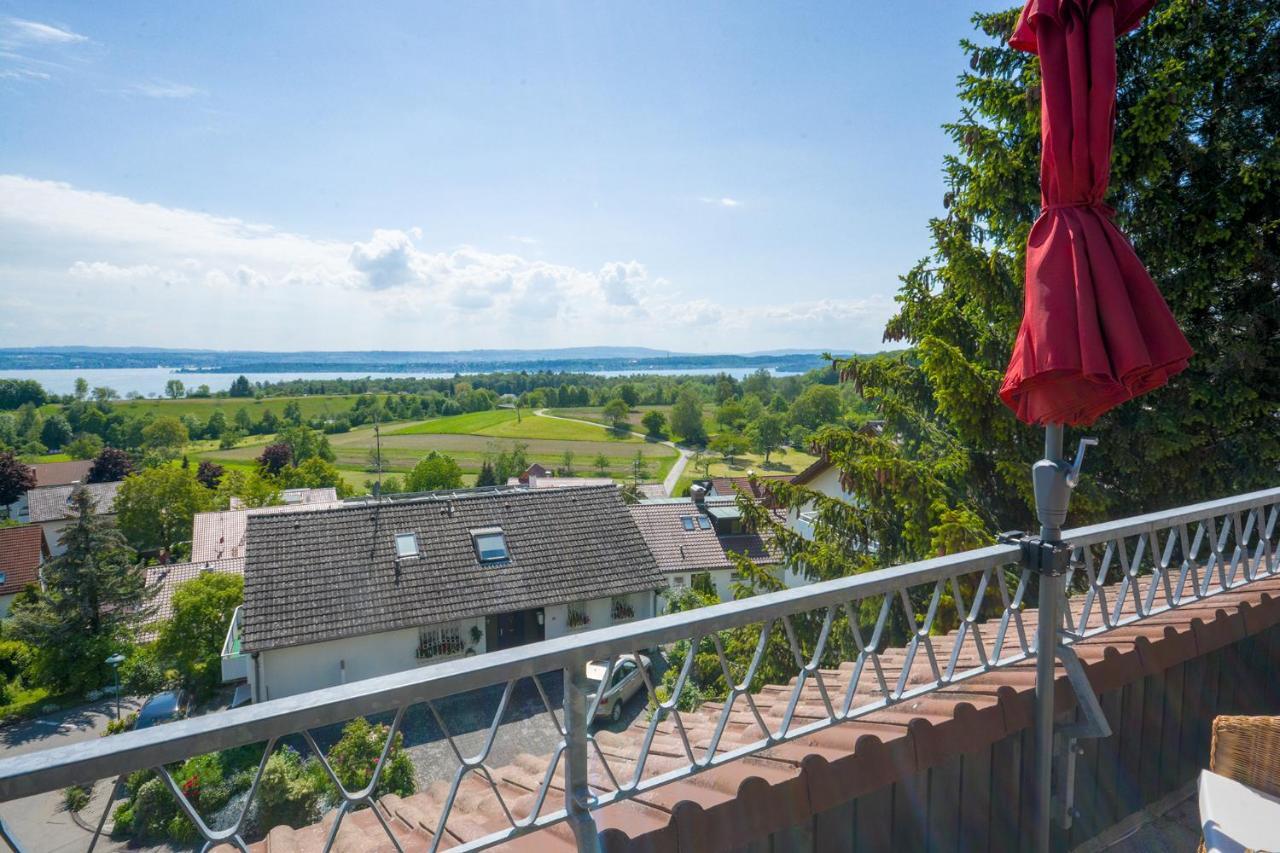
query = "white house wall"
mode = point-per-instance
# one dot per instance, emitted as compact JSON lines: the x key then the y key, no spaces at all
{"x":284,"y":672}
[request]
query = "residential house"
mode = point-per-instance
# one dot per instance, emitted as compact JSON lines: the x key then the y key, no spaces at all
{"x":534,"y":470}
{"x":168,"y":577}
{"x":371,"y":588}
{"x":299,"y":497}
{"x":220,"y":535}
{"x":690,"y":537}
{"x":23,"y":550}
{"x":821,"y":477}
{"x":550,"y":482}
{"x":50,"y":507}
{"x":731,"y":487}
{"x":51,"y":474}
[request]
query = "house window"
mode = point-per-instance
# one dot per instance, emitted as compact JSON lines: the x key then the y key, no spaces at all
{"x":491,"y":545}
{"x":578,"y":617}
{"x":704,"y":522}
{"x":439,"y":642}
{"x":678,"y":581}
{"x":621,"y":609}
{"x":406,"y":545}
{"x":687,"y":521}
{"x":3,"y":577}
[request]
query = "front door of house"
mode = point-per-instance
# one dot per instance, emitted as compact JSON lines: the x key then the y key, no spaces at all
{"x":506,"y":630}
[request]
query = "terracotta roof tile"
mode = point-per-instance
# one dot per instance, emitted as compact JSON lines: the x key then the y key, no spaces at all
{"x":220,"y":535}
{"x":168,"y":577}
{"x":22,"y":550}
{"x":62,"y":473}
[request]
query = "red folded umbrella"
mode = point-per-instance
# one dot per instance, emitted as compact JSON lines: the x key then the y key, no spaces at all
{"x":1095,"y":330}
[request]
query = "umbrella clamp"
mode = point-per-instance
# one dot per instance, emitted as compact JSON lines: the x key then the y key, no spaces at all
{"x":1044,"y":558}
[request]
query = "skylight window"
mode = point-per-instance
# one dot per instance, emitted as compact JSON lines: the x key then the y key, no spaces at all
{"x":687,"y":521}
{"x":704,"y":522}
{"x":406,"y":545}
{"x":491,"y":545}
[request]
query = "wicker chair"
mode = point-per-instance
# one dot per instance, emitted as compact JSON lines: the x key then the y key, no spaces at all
{"x":1247,"y":750}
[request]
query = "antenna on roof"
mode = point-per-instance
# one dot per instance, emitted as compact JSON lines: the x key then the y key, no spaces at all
{"x":377,"y":441}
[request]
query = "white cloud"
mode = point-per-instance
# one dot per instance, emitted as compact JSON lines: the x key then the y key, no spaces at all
{"x":527,"y":241}
{"x":174,"y":91}
{"x":724,"y":201}
{"x":22,"y":74}
{"x":17,"y":31}
{"x":83,"y":267}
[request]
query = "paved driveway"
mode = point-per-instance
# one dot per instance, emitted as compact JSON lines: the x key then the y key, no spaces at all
{"x":40,"y":823}
{"x":526,"y":726}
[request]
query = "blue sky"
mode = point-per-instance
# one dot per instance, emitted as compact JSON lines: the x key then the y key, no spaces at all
{"x":428,"y":175}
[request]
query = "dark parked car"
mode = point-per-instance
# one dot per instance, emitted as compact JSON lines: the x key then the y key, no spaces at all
{"x":162,"y":708}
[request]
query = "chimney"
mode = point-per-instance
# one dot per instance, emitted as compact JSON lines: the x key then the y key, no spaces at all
{"x":698,"y":493}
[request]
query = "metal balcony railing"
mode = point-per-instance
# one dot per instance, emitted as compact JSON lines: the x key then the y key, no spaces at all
{"x":1121,"y":572}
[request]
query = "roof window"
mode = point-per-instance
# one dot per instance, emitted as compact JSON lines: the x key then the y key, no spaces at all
{"x":491,"y":544}
{"x":704,"y":522}
{"x":687,"y":521}
{"x":406,"y":545}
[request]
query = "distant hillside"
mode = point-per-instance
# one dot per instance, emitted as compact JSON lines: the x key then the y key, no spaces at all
{"x":397,"y":361}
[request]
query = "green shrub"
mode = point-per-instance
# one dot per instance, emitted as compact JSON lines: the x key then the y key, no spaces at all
{"x":289,"y":792}
{"x":124,"y":724}
{"x":141,"y":674}
{"x":355,"y":757}
{"x":75,"y":797}
{"x":14,"y":657}
{"x":123,"y":819}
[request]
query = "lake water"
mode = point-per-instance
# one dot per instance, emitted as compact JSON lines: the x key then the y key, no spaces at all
{"x":150,"y":381}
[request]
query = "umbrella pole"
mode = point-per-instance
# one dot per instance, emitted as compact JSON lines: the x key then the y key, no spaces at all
{"x":1051,"y":590}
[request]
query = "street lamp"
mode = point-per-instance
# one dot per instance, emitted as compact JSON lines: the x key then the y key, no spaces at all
{"x":115,"y":661}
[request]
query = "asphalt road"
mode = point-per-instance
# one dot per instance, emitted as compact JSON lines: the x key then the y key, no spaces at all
{"x":41,"y":823}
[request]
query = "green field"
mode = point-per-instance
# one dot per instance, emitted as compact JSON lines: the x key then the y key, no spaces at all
{"x":203,"y":407}
{"x":470,"y":439}
{"x":504,"y":423}
{"x":596,"y":413}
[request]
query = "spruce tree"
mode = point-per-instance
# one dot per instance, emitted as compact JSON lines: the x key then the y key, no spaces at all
{"x":94,"y":599}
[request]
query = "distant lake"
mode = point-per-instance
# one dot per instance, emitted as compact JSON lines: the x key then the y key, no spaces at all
{"x":150,"y":381}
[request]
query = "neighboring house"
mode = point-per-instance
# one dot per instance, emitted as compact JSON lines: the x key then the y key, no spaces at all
{"x":534,"y":470}
{"x":51,"y":474}
{"x":690,"y":537}
{"x":550,"y":482}
{"x":299,"y":497}
{"x":372,"y":588}
{"x":729,"y":487}
{"x":167,"y":578}
{"x":220,"y":535}
{"x":50,"y":507}
{"x":821,"y":477}
{"x":23,"y":550}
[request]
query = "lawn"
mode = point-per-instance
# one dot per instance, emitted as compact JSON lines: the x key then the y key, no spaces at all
{"x":406,"y":442}
{"x":596,"y":413}
{"x":203,"y":407}
{"x":780,"y":462}
{"x":504,"y":423}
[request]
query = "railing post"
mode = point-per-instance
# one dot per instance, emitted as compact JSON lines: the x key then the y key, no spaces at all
{"x":577,"y":792}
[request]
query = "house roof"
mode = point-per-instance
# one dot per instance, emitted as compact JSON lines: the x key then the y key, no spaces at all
{"x":730,"y":486}
{"x":679,"y":550}
{"x":168,"y":577}
{"x":62,"y":473}
{"x":333,"y":573}
{"x":299,"y":497}
{"x":22,"y":550}
{"x":220,"y":535}
{"x":549,"y":482}
{"x":50,"y":503}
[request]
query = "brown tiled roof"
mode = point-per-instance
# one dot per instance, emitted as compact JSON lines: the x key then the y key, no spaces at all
{"x":50,"y":503}
{"x":815,"y":468}
{"x":737,"y":803}
{"x":168,"y":577}
{"x":220,"y":535}
{"x":333,"y":573}
{"x":62,"y":473}
{"x":697,"y":550}
{"x":731,"y":486}
{"x":22,"y":550}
